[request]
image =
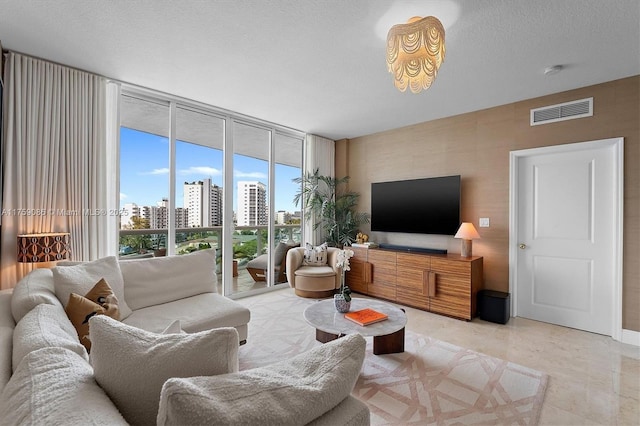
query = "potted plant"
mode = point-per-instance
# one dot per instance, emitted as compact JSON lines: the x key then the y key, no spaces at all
{"x":343,"y":297}
{"x":329,"y":200}
{"x":160,"y":248}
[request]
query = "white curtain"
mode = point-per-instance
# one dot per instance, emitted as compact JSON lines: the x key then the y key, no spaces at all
{"x":319,"y":153}
{"x":55,"y":160}
{"x":112,"y":162}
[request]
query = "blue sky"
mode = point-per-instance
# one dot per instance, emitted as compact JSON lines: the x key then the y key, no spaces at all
{"x":144,"y":170}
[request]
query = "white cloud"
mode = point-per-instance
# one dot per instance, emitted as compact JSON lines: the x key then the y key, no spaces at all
{"x":252,"y":175}
{"x":123,"y":196}
{"x":162,"y":171}
{"x":201,"y":170}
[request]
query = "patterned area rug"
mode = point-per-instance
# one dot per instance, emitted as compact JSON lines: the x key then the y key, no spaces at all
{"x":432,"y":382}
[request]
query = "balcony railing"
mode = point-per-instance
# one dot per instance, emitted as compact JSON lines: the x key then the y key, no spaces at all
{"x":248,"y":241}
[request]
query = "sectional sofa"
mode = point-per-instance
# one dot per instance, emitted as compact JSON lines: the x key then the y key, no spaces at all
{"x":166,"y":359}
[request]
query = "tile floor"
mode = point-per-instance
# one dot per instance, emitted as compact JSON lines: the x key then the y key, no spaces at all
{"x":593,"y":379}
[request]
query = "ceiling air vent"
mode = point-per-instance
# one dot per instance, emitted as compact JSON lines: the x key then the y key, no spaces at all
{"x":561,"y":112}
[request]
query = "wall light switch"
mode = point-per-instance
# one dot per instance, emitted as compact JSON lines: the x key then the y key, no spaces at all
{"x":484,"y":222}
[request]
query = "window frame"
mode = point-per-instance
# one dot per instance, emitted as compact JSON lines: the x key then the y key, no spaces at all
{"x":229,"y":120}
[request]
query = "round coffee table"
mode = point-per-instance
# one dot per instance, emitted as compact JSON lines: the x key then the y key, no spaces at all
{"x":388,"y":335}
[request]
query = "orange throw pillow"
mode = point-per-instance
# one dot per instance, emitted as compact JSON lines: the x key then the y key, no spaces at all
{"x":80,"y":310}
{"x":102,"y":294}
{"x":100,"y":300}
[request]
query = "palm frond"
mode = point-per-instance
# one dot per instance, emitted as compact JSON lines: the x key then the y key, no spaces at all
{"x":330,"y":200}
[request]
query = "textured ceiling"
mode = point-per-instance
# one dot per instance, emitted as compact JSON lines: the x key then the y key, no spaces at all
{"x":319,"y":65}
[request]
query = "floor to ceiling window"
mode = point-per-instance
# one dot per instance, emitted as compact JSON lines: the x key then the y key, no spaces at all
{"x":144,"y":175}
{"x":179,"y":188}
{"x":251,"y":191}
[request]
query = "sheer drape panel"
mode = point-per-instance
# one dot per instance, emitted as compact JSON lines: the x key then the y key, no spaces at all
{"x":83,"y":164}
{"x":319,"y":154}
{"x":112,"y":164}
{"x":54,"y":159}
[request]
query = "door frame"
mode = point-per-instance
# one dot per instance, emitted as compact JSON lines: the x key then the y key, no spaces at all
{"x":514,"y":157}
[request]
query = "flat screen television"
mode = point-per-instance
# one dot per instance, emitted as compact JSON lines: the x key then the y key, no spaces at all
{"x":418,"y":206}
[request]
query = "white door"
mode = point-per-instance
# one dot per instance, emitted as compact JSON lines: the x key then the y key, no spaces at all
{"x":567,"y":225}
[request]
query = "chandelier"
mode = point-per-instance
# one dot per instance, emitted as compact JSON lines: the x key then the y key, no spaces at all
{"x":415,"y":51}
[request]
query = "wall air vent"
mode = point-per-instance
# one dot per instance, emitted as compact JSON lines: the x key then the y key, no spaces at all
{"x":561,"y":112}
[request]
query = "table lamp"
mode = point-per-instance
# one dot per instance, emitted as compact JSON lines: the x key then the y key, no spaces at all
{"x":40,"y":248}
{"x":467,"y":232}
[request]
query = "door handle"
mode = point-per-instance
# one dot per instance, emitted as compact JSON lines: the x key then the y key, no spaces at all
{"x":522,"y":246}
{"x":431,"y":288}
{"x":368,"y":272}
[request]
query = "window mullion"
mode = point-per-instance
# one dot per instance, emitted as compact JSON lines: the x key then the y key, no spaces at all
{"x":171,"y":225}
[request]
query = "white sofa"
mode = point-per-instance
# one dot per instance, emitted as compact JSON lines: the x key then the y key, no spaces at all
{"x":46,"y":376}
{"x":152,"y":293}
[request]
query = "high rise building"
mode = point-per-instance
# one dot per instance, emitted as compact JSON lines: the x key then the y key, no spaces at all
{"x":252,"y":204}
{"x":182,"y":217}
{"x":145,"y":213}
{"x":128,"y":211}
{"x":203,"y":201}
{"x":282,"y":217}
{"x":157,"y":216}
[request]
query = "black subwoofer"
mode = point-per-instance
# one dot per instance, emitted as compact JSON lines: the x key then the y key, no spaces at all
{"x":494,"y":306}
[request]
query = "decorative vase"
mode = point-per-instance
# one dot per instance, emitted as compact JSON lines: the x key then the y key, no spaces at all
{"x":341,"y":304}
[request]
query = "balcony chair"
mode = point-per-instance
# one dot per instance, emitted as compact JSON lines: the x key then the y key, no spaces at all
{"x":257,"y":267}
{"x":313,"y":281}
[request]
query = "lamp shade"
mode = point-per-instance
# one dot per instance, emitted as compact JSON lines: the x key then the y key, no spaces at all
{"x":467,"y":232}
{"x":50,"y":247}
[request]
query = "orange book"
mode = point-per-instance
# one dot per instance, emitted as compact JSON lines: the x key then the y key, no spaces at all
{"x":366,"y":316}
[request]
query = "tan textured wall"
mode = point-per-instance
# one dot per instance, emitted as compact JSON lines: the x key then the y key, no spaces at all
{"x":477,"y":145}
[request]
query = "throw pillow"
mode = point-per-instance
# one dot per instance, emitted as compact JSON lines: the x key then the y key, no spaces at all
{"x":79,"y":279}
{"x":100,"y":300}
{"x":291,"y":392}
{"x":157,"y":280}
{"x":281,"y":251}
{"x":44,"y":326}
{"x":55,"y":386}
{"x":315,"y":256}
{"x":102,"y":294}
{"x":80,"y":310}
{"x":132,"y":364}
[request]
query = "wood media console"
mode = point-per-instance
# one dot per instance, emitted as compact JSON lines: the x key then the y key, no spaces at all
{"x":445,"y":284}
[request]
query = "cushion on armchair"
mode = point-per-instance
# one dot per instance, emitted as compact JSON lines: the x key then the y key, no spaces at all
{"x":315,"y":256}
{"x":258,"y":266}
{"x":291,"y":392}
{"x":280,"y":252}
{"x":259,"y":262}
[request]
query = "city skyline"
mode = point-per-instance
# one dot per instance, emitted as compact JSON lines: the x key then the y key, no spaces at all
{"x":206,"y":210}
{"x":146,"y":183}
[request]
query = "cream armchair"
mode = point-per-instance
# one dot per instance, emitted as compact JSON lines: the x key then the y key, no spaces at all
{"x":313,"y":281}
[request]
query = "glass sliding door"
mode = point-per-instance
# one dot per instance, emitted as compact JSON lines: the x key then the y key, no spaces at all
{"x":144,"y":176}
{"x":194,"y":177}
{"x":199,"y":188}
{"x":250,"y":206}
{"x":286,"y":219}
